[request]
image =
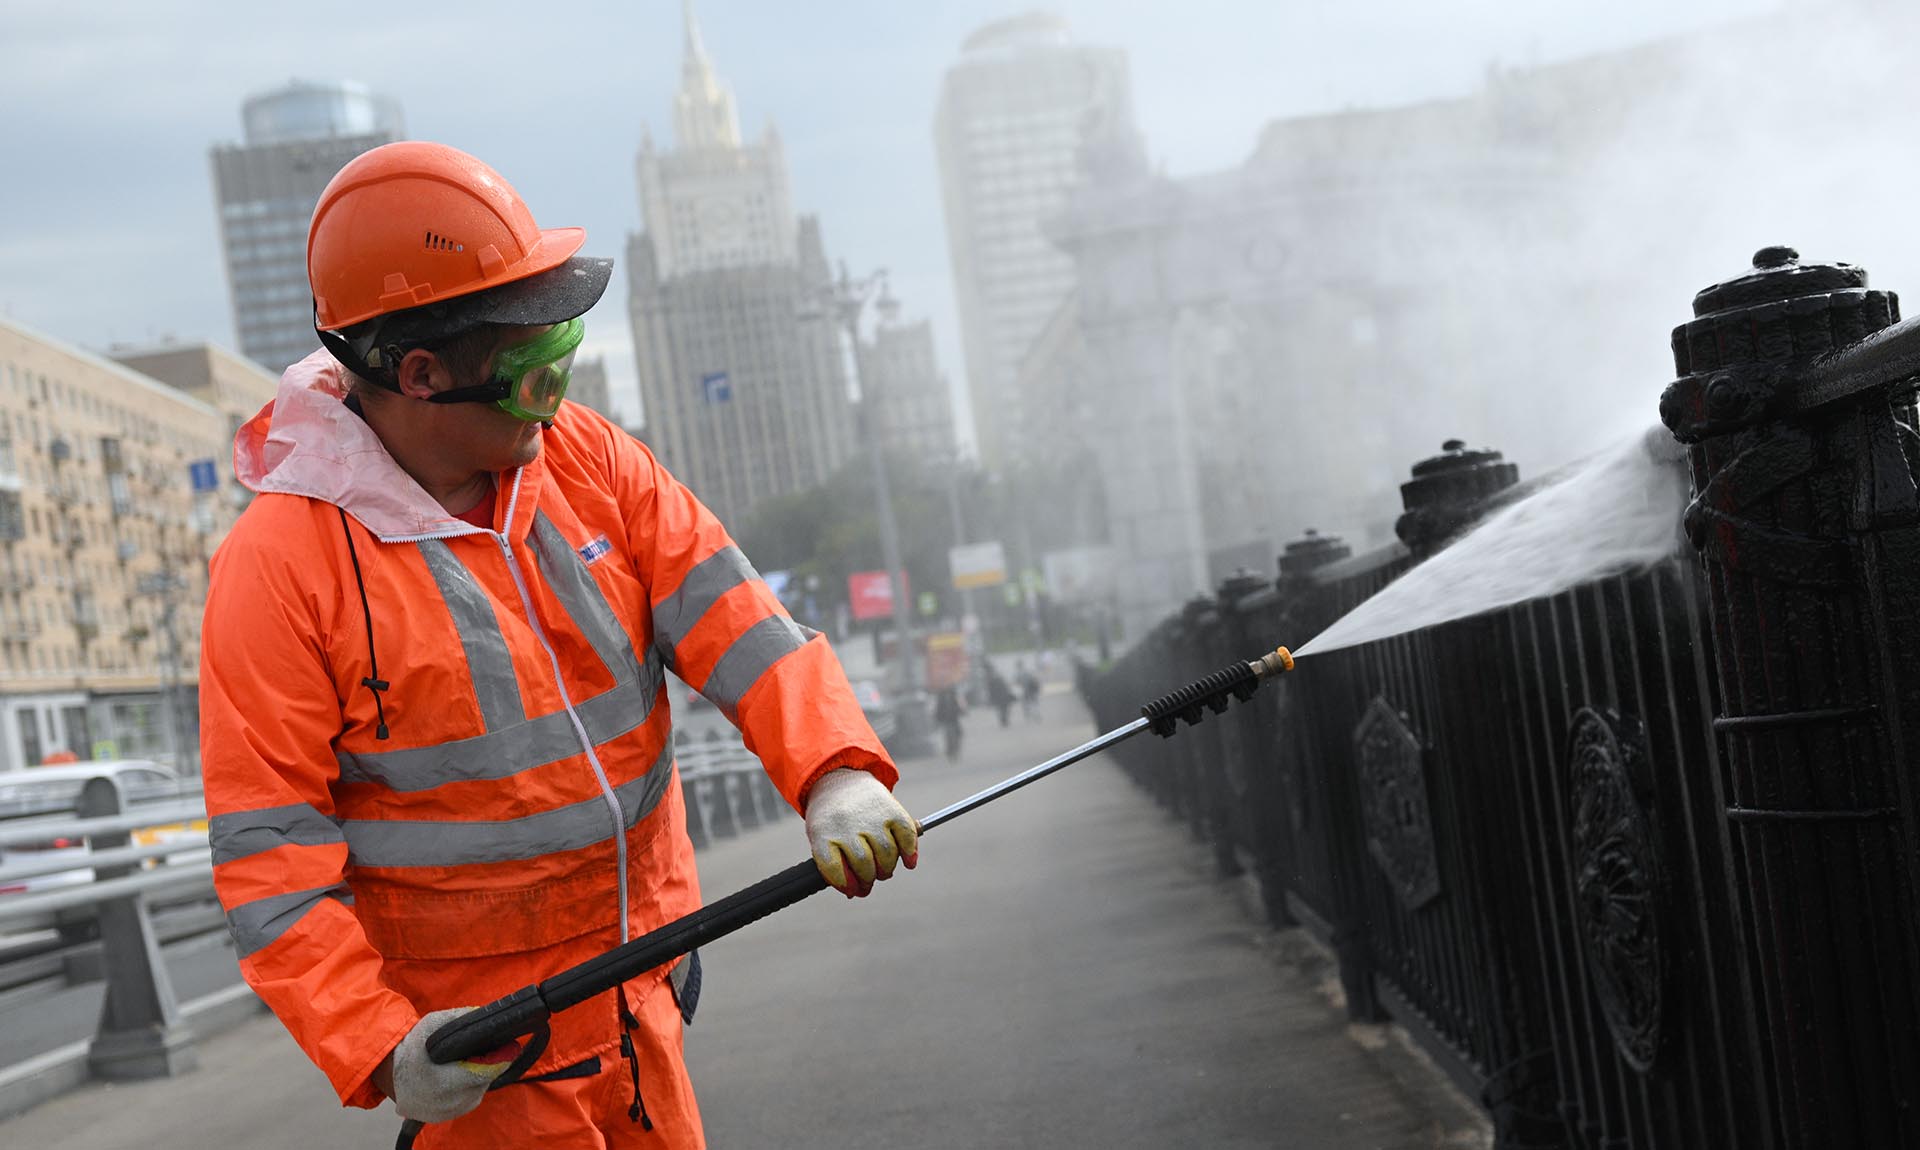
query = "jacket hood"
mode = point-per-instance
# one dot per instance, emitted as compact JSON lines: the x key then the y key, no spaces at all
{"x":308,"y":442}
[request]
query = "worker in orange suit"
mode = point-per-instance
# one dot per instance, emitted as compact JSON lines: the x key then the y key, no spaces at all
{"x":435,"y":726}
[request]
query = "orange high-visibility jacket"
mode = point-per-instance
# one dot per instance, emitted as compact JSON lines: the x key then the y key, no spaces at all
{"x":524,"y":811}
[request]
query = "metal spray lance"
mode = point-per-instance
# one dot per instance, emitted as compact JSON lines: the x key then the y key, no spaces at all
{"x":525,"y":1011}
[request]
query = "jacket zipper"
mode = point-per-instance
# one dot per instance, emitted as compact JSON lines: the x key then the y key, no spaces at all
{"x":566,"y":700}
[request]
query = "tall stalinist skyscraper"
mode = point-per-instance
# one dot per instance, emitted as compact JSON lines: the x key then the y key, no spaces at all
{"x":741,"y":377}
{"x":1015,"y":115}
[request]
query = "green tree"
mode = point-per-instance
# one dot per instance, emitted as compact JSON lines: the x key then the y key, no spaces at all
{"x":832,"y":531}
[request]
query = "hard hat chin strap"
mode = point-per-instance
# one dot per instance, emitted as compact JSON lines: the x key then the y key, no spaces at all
{"x":357,"y":359}
{"x":361,"y":354}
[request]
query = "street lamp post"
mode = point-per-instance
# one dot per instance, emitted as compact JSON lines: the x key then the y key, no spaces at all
{"x":849,"y":298}
{"x":165,"y":586}
{"x":974,"y":636}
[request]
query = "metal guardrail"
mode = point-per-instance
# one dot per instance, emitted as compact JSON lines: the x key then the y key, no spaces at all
{"x":141,"y":1032}
{"x":120,"y":856}
{"x":56,"y":798}
{"x":170,"y":877}
{"x":16,"y":833}
{"x":725,"y":787}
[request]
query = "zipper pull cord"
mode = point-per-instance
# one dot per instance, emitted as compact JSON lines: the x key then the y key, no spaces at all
{"x":372,"y":682}
{"x":628,"y":1024}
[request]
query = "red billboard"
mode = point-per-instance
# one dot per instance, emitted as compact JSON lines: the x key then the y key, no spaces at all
{"x":871,"y":595}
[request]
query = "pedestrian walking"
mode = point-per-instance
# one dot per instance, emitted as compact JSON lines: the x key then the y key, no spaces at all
{"x":1000,"y":694}
{"x":947,"y":710}
{"x":1029,"y":693}
{"x":435,"y":726}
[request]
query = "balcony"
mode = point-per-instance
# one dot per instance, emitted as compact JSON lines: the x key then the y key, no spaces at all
{"x":13,"y":518}
{"x":19,"y":627}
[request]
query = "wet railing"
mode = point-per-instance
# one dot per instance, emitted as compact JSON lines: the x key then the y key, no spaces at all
{"x":1636,"y":861}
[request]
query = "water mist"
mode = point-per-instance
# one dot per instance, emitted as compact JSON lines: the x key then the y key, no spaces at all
{"x":1614,"y":512}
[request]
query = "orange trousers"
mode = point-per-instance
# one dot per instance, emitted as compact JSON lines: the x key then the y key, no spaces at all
{"x":592,"y":1113}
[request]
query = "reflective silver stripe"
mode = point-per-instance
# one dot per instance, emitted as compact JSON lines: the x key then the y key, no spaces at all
{"x":498,"y":754}
{"x":567,"y":574}
{"x":243,"y":833}
{"x":710,"y":578}
{"x":758,"y":647}
{"x":489,"y":666}
{"x":413,"y":842}
{"x":257,"y":923}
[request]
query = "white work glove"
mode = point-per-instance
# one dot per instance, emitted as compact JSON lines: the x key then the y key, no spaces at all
{"x":858,"y":831}
{"x":425,"y":1090}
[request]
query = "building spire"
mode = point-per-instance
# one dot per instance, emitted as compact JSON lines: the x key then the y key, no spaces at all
{"x":695,"y":49}
{"x":703,"y":115}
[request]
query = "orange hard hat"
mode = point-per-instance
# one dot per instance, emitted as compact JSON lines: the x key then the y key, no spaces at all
{"x":411,"y":225}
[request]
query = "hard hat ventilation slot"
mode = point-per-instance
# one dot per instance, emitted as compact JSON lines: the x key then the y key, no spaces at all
{"x":439,"y":243}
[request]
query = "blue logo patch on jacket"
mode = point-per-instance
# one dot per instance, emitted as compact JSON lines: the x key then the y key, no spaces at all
{"x":595,"y":549}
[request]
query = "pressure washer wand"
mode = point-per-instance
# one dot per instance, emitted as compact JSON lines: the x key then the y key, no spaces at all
{"x":526,"y":1010}
{"x":1161,"y":716}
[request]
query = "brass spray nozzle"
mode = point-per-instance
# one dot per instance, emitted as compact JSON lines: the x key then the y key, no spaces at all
{"x":1274,"y":663}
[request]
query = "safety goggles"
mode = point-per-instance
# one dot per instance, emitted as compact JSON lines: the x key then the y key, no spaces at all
{"x":529,"y":379}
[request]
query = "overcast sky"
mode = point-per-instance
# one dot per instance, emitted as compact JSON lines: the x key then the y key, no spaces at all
{"x":110,"y":106}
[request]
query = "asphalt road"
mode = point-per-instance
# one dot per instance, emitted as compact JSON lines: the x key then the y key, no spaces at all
{"x":43,"y":1022}
{"x":1060,"y":971}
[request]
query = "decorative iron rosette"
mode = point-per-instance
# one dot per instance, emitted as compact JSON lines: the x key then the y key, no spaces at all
{"x":1616,"y":879}
{"x":1393,"y":797}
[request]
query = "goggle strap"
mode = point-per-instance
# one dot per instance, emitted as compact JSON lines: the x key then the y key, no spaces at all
{"x":492,"y":391}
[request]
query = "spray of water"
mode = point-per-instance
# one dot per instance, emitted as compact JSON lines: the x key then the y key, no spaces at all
{"x":1615,"y":512}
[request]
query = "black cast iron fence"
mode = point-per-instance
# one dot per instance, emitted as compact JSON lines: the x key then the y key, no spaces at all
{"x":1636,"y":862}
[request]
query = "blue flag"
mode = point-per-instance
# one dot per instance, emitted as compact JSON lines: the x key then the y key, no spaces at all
{"x":714,"y":388}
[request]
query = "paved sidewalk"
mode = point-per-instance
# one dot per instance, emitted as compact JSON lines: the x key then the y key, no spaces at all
{"x":1060,"y":971}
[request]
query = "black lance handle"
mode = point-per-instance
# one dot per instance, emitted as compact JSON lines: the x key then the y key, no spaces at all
{"x":527,"y":1009}
{"x":498,"y":1023}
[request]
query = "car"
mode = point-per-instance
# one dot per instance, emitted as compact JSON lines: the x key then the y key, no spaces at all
{"x":52,"y":792}
{"x":866,"y":692}
{"x":873,"y":702}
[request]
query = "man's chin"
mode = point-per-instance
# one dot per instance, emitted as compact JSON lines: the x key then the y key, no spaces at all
{"x":527,"y":450}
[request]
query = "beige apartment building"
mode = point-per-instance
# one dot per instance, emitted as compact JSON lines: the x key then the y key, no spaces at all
{"x":116,"y":486}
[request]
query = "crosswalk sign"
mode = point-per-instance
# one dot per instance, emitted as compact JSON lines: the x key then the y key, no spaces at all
{"x":715,"y":387}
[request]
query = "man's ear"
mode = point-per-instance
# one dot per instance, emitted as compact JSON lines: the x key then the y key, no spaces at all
{"x":420,"y":373}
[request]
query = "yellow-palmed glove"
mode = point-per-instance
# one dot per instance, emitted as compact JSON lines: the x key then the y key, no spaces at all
{"x":426,"y":1091}
{"x":858,"y":831}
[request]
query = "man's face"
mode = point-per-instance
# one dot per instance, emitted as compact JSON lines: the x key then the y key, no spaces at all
{"x":480,"y":435}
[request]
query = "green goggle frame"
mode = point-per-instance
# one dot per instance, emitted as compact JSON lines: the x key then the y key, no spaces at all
{"x":529,"y":379}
